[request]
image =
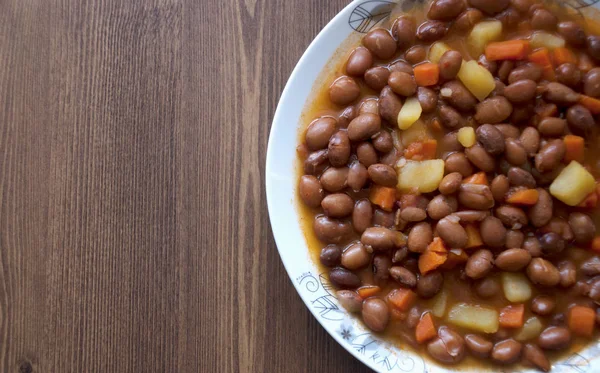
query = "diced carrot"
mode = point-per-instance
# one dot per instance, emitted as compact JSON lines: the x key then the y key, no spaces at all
{"x":425,"y":328}
{"x":575,"y":146}
{"x":402,"y":299}
{"x":434,"y":256}
{"x":512,"y":316}
{"x":421,"y":150}
{"x":437,"y":246}
{"x":526,"y":197}
{"x":507,"y":50}
{"x":427,"y":74}
{"x":429,"y":149}
{"x":581,"y":320}
{"x":455,"y":257}
{"x":478,"y":178}
{"x":368,"y":291}
{"x":474,"y":238}
{"x":384,"y":197}
{"x":398,"y":315}
{"x":592,"y":104}
{"x":542,"y":58}
{"x":563,"y":55}
{"x":585,"y":62}
{"x":595,"y":246}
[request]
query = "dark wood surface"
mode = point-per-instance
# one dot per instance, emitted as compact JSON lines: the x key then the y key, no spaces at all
{"x":134,"y":234}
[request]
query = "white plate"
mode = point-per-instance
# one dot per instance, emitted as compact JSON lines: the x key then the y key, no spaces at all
{"x":281,"y":181}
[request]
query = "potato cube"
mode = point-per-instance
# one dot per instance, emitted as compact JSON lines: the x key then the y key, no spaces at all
{"x":478,"y":80}
{"x":573,"y":184}
{"x":482,"y":34}
{"x":543,"y":39}
{"x":466,"y":136}
{"x":421,"y":176}
{"x":437,"y":50}
{"x":480,"y":319}
{"x":440,"y":302}
{"x":417,"y":132}
{"x":516,"y":286}
{"x":410,"y":113}
{"x":531,"y":329}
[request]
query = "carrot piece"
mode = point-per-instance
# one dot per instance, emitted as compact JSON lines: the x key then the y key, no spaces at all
{"x":384,"y":197}
{"x":402,"y":299}
{"x":563,"y":55}
{"x":434,"y":256}
{"x":425,"y":328}
{"x":368,"y":291}
{"x":437,"y":246}
{"x":478,"y":178}
{"x":542,"y":58}
{"x":581,"y":320}
{"x":507,"y":50}
{"x":427,"y":74}
{"x":590,"y":202}
{"x":455,"y":257}
{"x":596,"y":244}
{"x":575,"y":146}
{"x":421,"y":150}
{"x":474,"y":238}
{"x":512,"y":316}
{"x":397,"y":315}
{"x":592,"y":104}
{"x":526,"y":197}
{"x":429,"y":149}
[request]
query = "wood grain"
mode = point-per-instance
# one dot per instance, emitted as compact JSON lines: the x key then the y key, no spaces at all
{"x":134,"y":234}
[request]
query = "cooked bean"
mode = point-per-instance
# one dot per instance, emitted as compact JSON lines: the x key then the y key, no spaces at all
{"x":558,"y":226}
{"x":364,"y":126}
{"x":330,"y":255}
{"x":403,"y":276}
{"x":493,"y":110}
{"x":457,"y":95}
{"x":337,"y":205}
{"x":542,"y":272}
{"x":448,"y":347}
{"x":506,"y":351}
{"x":591,"y":266}
{"x":404,"y":30}
{"x":520,"y":177}
{"x":450,"y":118}
{"x":413,"y":317}
{"x":334,"y":179}
{"x":458,"y":162}
{"x":339,"y":149}
{"x":568,"y":74}
{"x":543,"y":19}
{"x":491,"y":66}
{"x":491,"y":139}
{"x":452,"y":232}
{"x":541,"y":213}
{"x":376,"y":77}
{"x":515,"y":152}
{"x":522,"y":113}
{"x":543,"y":305}
{"x":560,"y":94}
{"x":528,"y":71}
{"x":568,"y":273}
{"x":504,"y":69}
{"x":381,"y":268}
{"x":389,"y":107}
{"x":402,"y":83}
{"x":499,"y":187}
{"x":521,"y":5}
{"x":475,"y":196}
{"x":413,"y":214}
{"x":515,"y":239}
{"x":467,"y":19}
{"x":510,"y":18}
{"x":383,"y":218}
{"x":479,"y":264}
{"x":445,"y":10}
{"x":520,"y":91}
{"x":383,"y":142}
{"x":478,"y":345}
{"x":383,"y":175}
{"x":346,"y":116}
{"x":430,"y":31}
{"x":493,"y":232}
{"x":487,"y":287}
{"x":331,"y":230}
{"x":344,"y":90}
{"x":450,"y":183}
{"x":381,"y":238}
{"x":499,"y":89}
{"x":490,"y":7}
{"x":355,"y":256}
{"x":593,"y":46}
{"x":400,"y":255}
{"x":430,"y":284}
{"x":480,"y":158}
{"x":530,"y":139}
{"x":380,"y":43}
{"x":513,"y":260}
{"x":532,"y":245}
{"x":359,"y":61}
{"x":534,"y":355}
{"x":471,"y":216}
{"x":415,"y":54}
{"x":511,"y":216}
{"x":550,"y":155}
{"x":362,"y":215}
{"x":591,"y":82}
{"x":449,"y":64}
{"x":350,"y":300}
{"x":375,"y":314}
{"x":419,"y":237}
{"x":450,"y":143}
{"x":572,"y":33}
{"x":427,"y":99}
{"x":369,"y":105}
{"x":508,"y":131}
{"x":343,"y":278}
{"x":554,"y":338}
{"x":583,"y":227}
{"x":316,"y":162}
{"x":357,"y":176}
{"x":310,"y":191}
{"x":441,"y":206}
{"x":552,"y":127}
{"x":319,"y":131}
{"x":580,"y":120}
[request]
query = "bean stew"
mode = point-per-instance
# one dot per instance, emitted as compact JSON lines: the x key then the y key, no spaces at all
{"x":449,"y":181}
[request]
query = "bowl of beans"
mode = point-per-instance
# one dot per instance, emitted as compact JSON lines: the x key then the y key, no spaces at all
{"x":433,"y":181}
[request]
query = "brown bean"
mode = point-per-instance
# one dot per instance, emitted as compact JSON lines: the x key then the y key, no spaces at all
{"x":532,"y":245}
{"x":383,"y":175}
{"x":593,"y":46}
{"x":413,"y":317}
{"x":458,"y":162}
{"x":413,"y":214}
{"x":448,"y":347}
{"x":580,"y":120}
{"x":534,"y":355}
{"x":362,"y":215}
{"x":541,"y":213}
{"x":383,"y":218}
{"x":441,"y":206}
{"x":381,"y":268}
{"x":550,"y":155}
{"x":337,"y":205}
{"x":380,"y":42}
{"x":493,"y":110}
{"x":528,"y":71}
{"x":511,"y":216}
{"x":513,"y":260}
{"x":490,"y":7}
{"x":368,"y":105}
{"x":364,"y":126}
{"x":427,"y":98}
{"x":520,"y":91}
{"x":554,"y":338}
{"x":572,"y":33}
{"x":479,"y":346}
{"x":310,"y":191}
{"x":346,"y":116}
{"x":508,"y":131}
{"x":487,"y":287}
{"x":445,"y":10}
{"x":568,"y":273}
{"x":330,"y":255}
{"x":499,"y":187}
{"x":450,"y":118}
{"x":342,"y":278}
{"x":350,"y":300}
{"x":568,"y":74}
{"x":319,"y":131}
{"x":450,"y":143}
{"x":493,"y":232}
{"x":381,"y":238}
{"x":457,"y":95}
{"x":520,"y":177}
{"x":415,"y":54}
{"x":467,"y":19}
{"x":383,"y":142}
{"x":479,"y":264}
{"x":355,"y":256}
{"x":359,"y":61}
{"x":419,"y":237}
{"x":344,"y":90}
{"x":542,"y":272}
{"x":521,"y":5}
{"x":514,"y":152}
{"x":491,"y":66}
{"x":449,"y":64}
{"x":515,"y":239}
{"x":357,"y":176}
{"x":491,"y":139}
{"x":339,"y":149}
{"x":583,"y":227}
{"x":430,"y":31}
{"x":475,"y":196}
{"x":404,"y":30}
{"x":403,"y":276}
{"x":402,"y":83}
{"x":543,"y":19}
{"x":507,"y":351}
{"x":499,"y":89}
{"x":430,"y":284}
{"x":375,"y":314}
{"x":510,"y":18}
{"x":452,"y":232}
{"x":560,"y":227}
{"x":543,"y":305}
{"x":504,"y":69}
{"x":591,"y":266}
{"x":390,"y":158}
{"x":552,"y":127}
{"x":478,"y":156}
{"x":389,"y":105}
{"x":400,"y":255}
{"x":560,"y":94}
{"x":330,"y":230}
{"x":471,"y":216}
{"x":334,"y":179}
{"x":376,"y":77}
{"x":450,"y":183}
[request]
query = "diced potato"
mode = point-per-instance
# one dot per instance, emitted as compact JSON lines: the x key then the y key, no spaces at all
{"x":421,"y":176}
{"x":417,"y":132}
{"x":410,"y":113}
{"x":466,"y":136}
{"x":543,"y":39}
{"x":437,"y":50}
{"x":474,"y":317}
{"x":440,"y":302}
{"x":482,"y":34}
{"x":477,"y":79}
{"x":516,"y":287}
{"x":531,"y":329}
{"x":573,"y":184}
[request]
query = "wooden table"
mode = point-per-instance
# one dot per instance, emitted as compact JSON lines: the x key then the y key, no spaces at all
{"x":134,"y":234}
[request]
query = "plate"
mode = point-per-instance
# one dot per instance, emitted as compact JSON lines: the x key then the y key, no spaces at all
{"x":346,"y":29}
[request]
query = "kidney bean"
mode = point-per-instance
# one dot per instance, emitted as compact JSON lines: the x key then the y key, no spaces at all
{"x":510,"y":18}
{"x":441,"y":206}
{"x":568,"y":74}
{"x":339,"y":149}
{"x":471,"y":216}
{"x":491,"y":66}
{"x":534,"y":355}
{"x":330,"y":255}
{"x":507,"y":351}
{"x":554,"y":338}
{"x":568,"y":273}
{"x":452,"y":232}
{"x":457,"y":95}
{"x":552,"y":127}
{"x":310,"y":191}
{"x":344,"y":90}
{"x":380,"y":43}
{"x":342,"y":278}
{"x":480,"y":158}
{"x":467,"y":19}
{"x":520,"y":91}
{"x":572,"y":33}
{"x":542,"y":272}
{"x":508,"y":131}
{"x":499,"y":187}
{"x":593,"y":46}
{"x":430,"y":284}
{"x":560,"y":94}
{"x":381,"y":268}
{"x":450,"y":64}
{"x":511,"y":216}
{"x":404,"y":30}
{"x":445,"y":10}
{"x":430,"y":31}
{"x":383,"y":175}
{"x":491,"y":139}
{"x":330,"y":230}
{"x":350,"y":300}
{"x":427,"y":99}
{"x":528,"y":71}
{"x":375,"y":314}
{"x":415,"y":54}
{"x":419,"y":237}
{"x":458,"y":162}
{"x":499,"y":89}
{"x":376,"y":77}
{"x":383,"y":218}
{"x":450,"y":118}
{"x":520,"y":177}
{"x":346,"y":116}
{"x":479,"y":346}
{"x":334,"y":179}
{"x":366,"y":154}
{"x":530,"y":139}
{"x":368,"y":105}
{"x":448,"y":347}
{"x":493,"y":232}
{"x":400,"y":255}
{"x":319,"y":131}
{"x":359,"y":61}
{"x":479,"y":264}
{"x":389,"y":106}
{"x":490,"y":7}
{"x":550,"y":155}
{"x":337,"y":205}
{"x":515,"y":239}
{"x":522,"y":113}
{"x":403,"y":276}
{"x":591,"y":266}
{"x":513,"y":260}
{"x":493,"y":110}
{"x":515,"y":152}
{"x":475,"y":196}
{"x":487,"y":287}
{"x":316,"y":162}
{"x":381,"y":238}
{"x":543,"y":19}
{"x":402,"y":83}
{"x":580,"y":120}
{"x":413,"y":214}
{"x":383,"y":142}
{"x":532,"y":245}
{"x":362,"y":215}
{"x":594,"y":289}
{"x":401,"y":66}
{"x":583,"y":227}
{"x":521,"y":5}
{"x":504,"y":69}
{"x":364,"y":126}
{"x":357,"y":176}
{"x":355,"y":256}
{"x":450,"y":183}
{"x":543,"y":305}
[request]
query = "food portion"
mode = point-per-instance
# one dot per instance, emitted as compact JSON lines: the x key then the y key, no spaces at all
{"x":452,"y":181}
